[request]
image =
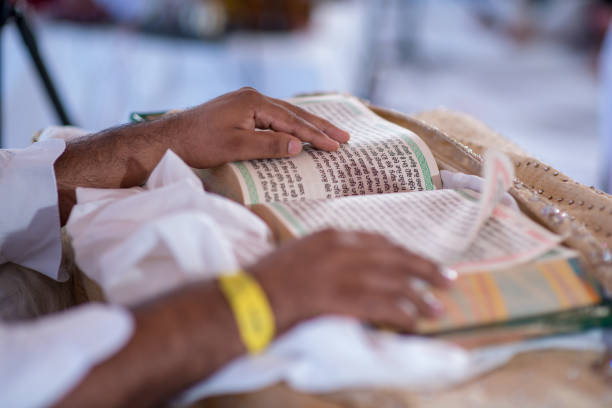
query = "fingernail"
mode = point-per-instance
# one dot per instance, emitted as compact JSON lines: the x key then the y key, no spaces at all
{"x":418,"y":285}
{"x":407,"y":307}
{"x":448,"y":273}
{"x":433,"y":302}
{"x":294,"y":147}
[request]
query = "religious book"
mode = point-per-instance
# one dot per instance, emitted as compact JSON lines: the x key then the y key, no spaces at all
{"x":386,"y":180}
{"x":381,"y":157}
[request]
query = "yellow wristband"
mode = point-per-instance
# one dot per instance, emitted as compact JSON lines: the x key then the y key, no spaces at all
{"x":251,"y":308}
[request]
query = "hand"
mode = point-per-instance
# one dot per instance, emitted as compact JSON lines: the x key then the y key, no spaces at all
{"x":230,"y":128}
{"x":350,"y":273}
{"x":188,"y":334}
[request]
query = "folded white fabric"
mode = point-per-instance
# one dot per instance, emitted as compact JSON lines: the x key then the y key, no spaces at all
{"x":65,"y":133}
{"x":139,"y":242}
{"x":30,"y":228}
{"x":456,"y":181}
{"x":333,"y":353}
{"x":42,"y":359}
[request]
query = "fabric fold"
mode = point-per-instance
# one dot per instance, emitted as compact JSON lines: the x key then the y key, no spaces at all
{"x":139,"y":242}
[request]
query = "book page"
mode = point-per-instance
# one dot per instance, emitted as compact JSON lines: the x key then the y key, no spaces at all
{"x":381,"y":157}
{"x":455,"y":228}
{"x":427,"y":223}
{"x":498,"y":277}
{"x":498,"y":173}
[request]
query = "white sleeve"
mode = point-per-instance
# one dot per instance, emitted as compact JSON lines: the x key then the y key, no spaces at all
{"x":42,"y":360}
{"x":29,"y":214}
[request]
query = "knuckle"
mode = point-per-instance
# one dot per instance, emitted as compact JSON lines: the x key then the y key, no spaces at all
{"x":330,"y":234}
{"x":347,"y":239}
{"x":249,"y":92}
{"x":248,"y":89}
{"x":332,"y":238}
{"x":374,"y":238}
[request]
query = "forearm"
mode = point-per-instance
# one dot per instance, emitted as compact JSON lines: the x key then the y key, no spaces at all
{"x":225,"y":129}
{"x":115,"y":158}
{"x":179,"y":340}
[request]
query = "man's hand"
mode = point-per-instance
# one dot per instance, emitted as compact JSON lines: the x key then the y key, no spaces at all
{"x":187,"y":334}
{"x":231,"y":127}
{"x":240,"y":125}
{"x":350,"y":273}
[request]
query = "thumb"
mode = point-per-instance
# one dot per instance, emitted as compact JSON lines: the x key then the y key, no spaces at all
{"x":266,"y":145}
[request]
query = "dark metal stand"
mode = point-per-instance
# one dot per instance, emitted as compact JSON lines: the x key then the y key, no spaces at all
{"x":10,"y":11}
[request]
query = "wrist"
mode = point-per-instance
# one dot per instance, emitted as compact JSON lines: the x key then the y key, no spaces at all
{"x":181,"y":131}
{"x":287,"y":308}
{"x":251,"y":308}
{"x":174,"y":132}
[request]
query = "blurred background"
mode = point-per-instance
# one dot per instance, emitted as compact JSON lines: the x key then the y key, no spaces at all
{"x":533,"y":70}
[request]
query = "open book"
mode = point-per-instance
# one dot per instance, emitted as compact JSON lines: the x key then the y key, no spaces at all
{"x":386,"y":180}
{"x":380,"y":158}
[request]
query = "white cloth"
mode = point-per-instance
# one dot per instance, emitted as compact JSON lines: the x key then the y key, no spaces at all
{"x":29,"y":214}
{"x":139,"y":242}
{"x":65,"y":133}
{"x":332,"y":353}
{"x":456,"y":181}
{"x":41,"y":360}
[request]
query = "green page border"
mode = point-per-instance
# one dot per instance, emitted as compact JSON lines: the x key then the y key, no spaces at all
{"x":286,"y":213}
{"x":248,"y":179}
{"x":422,"y":161}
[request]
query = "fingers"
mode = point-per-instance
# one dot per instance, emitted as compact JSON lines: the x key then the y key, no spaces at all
{"x":281,"y":116}
{"x":412,"y":290}
{"x":405,"y":264}
{"x":382,"y":309}
{"x":247,"y":145}
{"x":358,"y":274}
{"x":326,"y":126}
{"x":379,"y":253}
{"x":396,"y":276}
{"x":418,"y":267}
{"x":269,"y":115}
{"x":380,"y":268}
